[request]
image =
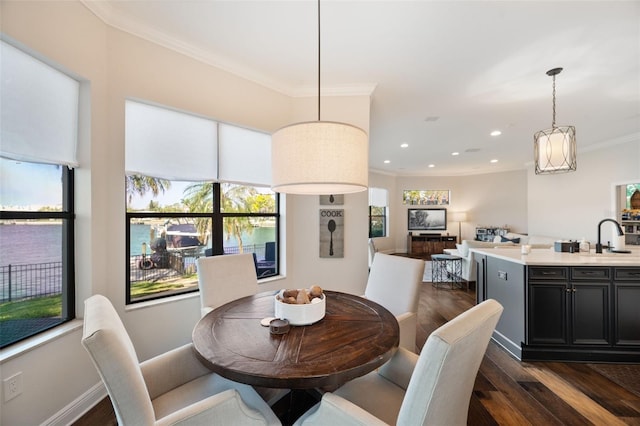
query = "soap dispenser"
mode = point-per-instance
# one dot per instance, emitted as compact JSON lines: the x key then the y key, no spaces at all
{"x":584,"y":246}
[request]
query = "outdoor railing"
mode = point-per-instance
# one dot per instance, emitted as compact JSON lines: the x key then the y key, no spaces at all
{"x":19,"y":282}
{"x":171,"y":264}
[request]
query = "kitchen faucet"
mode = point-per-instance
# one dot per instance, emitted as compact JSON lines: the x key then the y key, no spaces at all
{"x":599,"y":243}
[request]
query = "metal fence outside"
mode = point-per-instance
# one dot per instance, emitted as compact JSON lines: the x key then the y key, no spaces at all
{"x":28,"y":281}
{"x":172,"y":264}
{"x":20,"y":282}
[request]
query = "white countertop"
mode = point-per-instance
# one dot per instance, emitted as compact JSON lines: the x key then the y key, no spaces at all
{"x":549,"y":257}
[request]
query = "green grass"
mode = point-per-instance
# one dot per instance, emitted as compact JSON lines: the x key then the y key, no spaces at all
{"x":147,"y":288}
{"x":42,"y":307}
{"x":51,"y":306}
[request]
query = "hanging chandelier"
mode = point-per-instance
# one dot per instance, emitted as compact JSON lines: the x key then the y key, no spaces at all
{"x":555,"y":148}
{"x":319,"y":157}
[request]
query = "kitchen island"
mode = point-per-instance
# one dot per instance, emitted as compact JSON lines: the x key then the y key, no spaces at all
{"x":563,"y":306}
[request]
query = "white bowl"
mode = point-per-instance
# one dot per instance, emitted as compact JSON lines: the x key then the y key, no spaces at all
{"x":305,"y":314}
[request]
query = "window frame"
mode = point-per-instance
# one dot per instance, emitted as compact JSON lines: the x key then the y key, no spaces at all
{"x":217,"y":236}
{"x":382,"y":218}
{"x":67,"y":216}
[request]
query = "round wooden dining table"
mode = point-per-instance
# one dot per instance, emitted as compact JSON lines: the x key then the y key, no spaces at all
{"x":355,"y":336}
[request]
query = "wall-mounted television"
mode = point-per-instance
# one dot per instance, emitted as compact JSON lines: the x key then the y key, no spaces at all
{"x":427,"y":219}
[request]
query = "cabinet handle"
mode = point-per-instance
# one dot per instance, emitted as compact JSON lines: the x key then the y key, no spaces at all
{"x":574,"y":290}
{"x":568,"y":290}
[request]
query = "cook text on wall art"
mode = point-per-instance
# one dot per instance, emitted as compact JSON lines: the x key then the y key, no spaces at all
{"x":331,"y":233}
{"x":429,"y":197}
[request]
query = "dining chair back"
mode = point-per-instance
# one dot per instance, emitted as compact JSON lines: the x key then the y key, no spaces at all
{"x":224,"y":278}
{"x":433,"y":388}
{"x":394,"y":282}
{"x":173,"y":387}
{"x":113,"y":354}
{"x":372,"y":251}
{"x":447,"y":367}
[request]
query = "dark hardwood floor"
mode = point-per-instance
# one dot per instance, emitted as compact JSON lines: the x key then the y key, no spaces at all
{"x":510,"y":392}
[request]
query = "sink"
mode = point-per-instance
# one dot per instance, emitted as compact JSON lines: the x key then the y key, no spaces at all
{"x":611,"y":258}
{"x":609,"y":254}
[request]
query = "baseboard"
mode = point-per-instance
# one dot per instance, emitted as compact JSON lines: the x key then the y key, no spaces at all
{"x":76,"y":409}
{"x":509,"y":346}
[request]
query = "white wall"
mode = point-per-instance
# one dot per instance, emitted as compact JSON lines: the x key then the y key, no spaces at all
{"x":571,"y":205}
{"x":494,"y":199}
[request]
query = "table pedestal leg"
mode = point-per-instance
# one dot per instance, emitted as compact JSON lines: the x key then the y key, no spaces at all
{"x":294,"y":404}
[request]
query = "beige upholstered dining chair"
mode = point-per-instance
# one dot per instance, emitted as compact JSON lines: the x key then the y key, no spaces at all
{"x":171,"y":388}
{"x":228,"y":277}
{"x":372,"y":251}
{"x":394,"y":282}
{"x":224,"y":278}
{"x":433,"y":388}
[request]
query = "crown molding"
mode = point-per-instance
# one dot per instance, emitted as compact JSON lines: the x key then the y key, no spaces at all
{"x":112,"y":18}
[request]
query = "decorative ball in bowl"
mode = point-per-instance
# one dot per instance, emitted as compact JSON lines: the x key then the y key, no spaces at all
{"x":300,"y":306}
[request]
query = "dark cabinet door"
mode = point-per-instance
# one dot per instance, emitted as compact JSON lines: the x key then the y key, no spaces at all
{"x":627,"y":314}
{"x":548,"y":313}
{"x":590,"y":324}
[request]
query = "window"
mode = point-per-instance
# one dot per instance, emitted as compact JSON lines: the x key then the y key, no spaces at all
{"x":377,"y":212}
{"x":193,"y":207}
{"x":39,"y":127}
{"x":36,"y":247}
{"x":170,"y":229}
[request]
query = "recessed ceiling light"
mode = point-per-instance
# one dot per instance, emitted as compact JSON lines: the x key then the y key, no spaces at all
{"x":431,"y":166}
{"x":404,"y":145}
{"x":472,"y":150}
{"x":387,"y":161}
{"x":431,"y":118}
{"x":455,"y":153}
{"x":496,"y":133}
{"x":495,"y":160}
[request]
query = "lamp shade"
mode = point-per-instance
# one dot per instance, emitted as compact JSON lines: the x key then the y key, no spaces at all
{"x":555,"y":150}
{"x":319,"y":157}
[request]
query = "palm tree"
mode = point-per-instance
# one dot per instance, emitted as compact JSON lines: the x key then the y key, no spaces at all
{"x":140,"y":185}
{"x":234,"y":199}
{"x":199,"y":198}
{"x":237,"y":199}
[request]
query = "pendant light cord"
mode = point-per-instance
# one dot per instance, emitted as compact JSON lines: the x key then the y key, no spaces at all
{"x":553,"y":72}
{"x":553,"y":122}
{"x":319,"y":61}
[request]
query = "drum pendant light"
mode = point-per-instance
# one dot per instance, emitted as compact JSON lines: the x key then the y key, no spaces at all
{"x":555,"y":148}
{"x":319,"y":157}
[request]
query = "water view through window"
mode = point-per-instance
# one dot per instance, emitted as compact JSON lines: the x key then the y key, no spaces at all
{"x":33,"y":249}
{"x":172,"y":223}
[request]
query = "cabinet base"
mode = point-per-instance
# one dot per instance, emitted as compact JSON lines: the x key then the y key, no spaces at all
{"x":530,"y":353}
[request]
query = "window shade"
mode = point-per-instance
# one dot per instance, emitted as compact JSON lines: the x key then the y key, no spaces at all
{"x":377,"y":197}
{"x":168,"y":144}
{"x":245,"y":155}
{"x":39,"y":110}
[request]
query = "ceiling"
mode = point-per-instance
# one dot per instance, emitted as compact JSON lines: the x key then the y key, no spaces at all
{"x":442,"y":75}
